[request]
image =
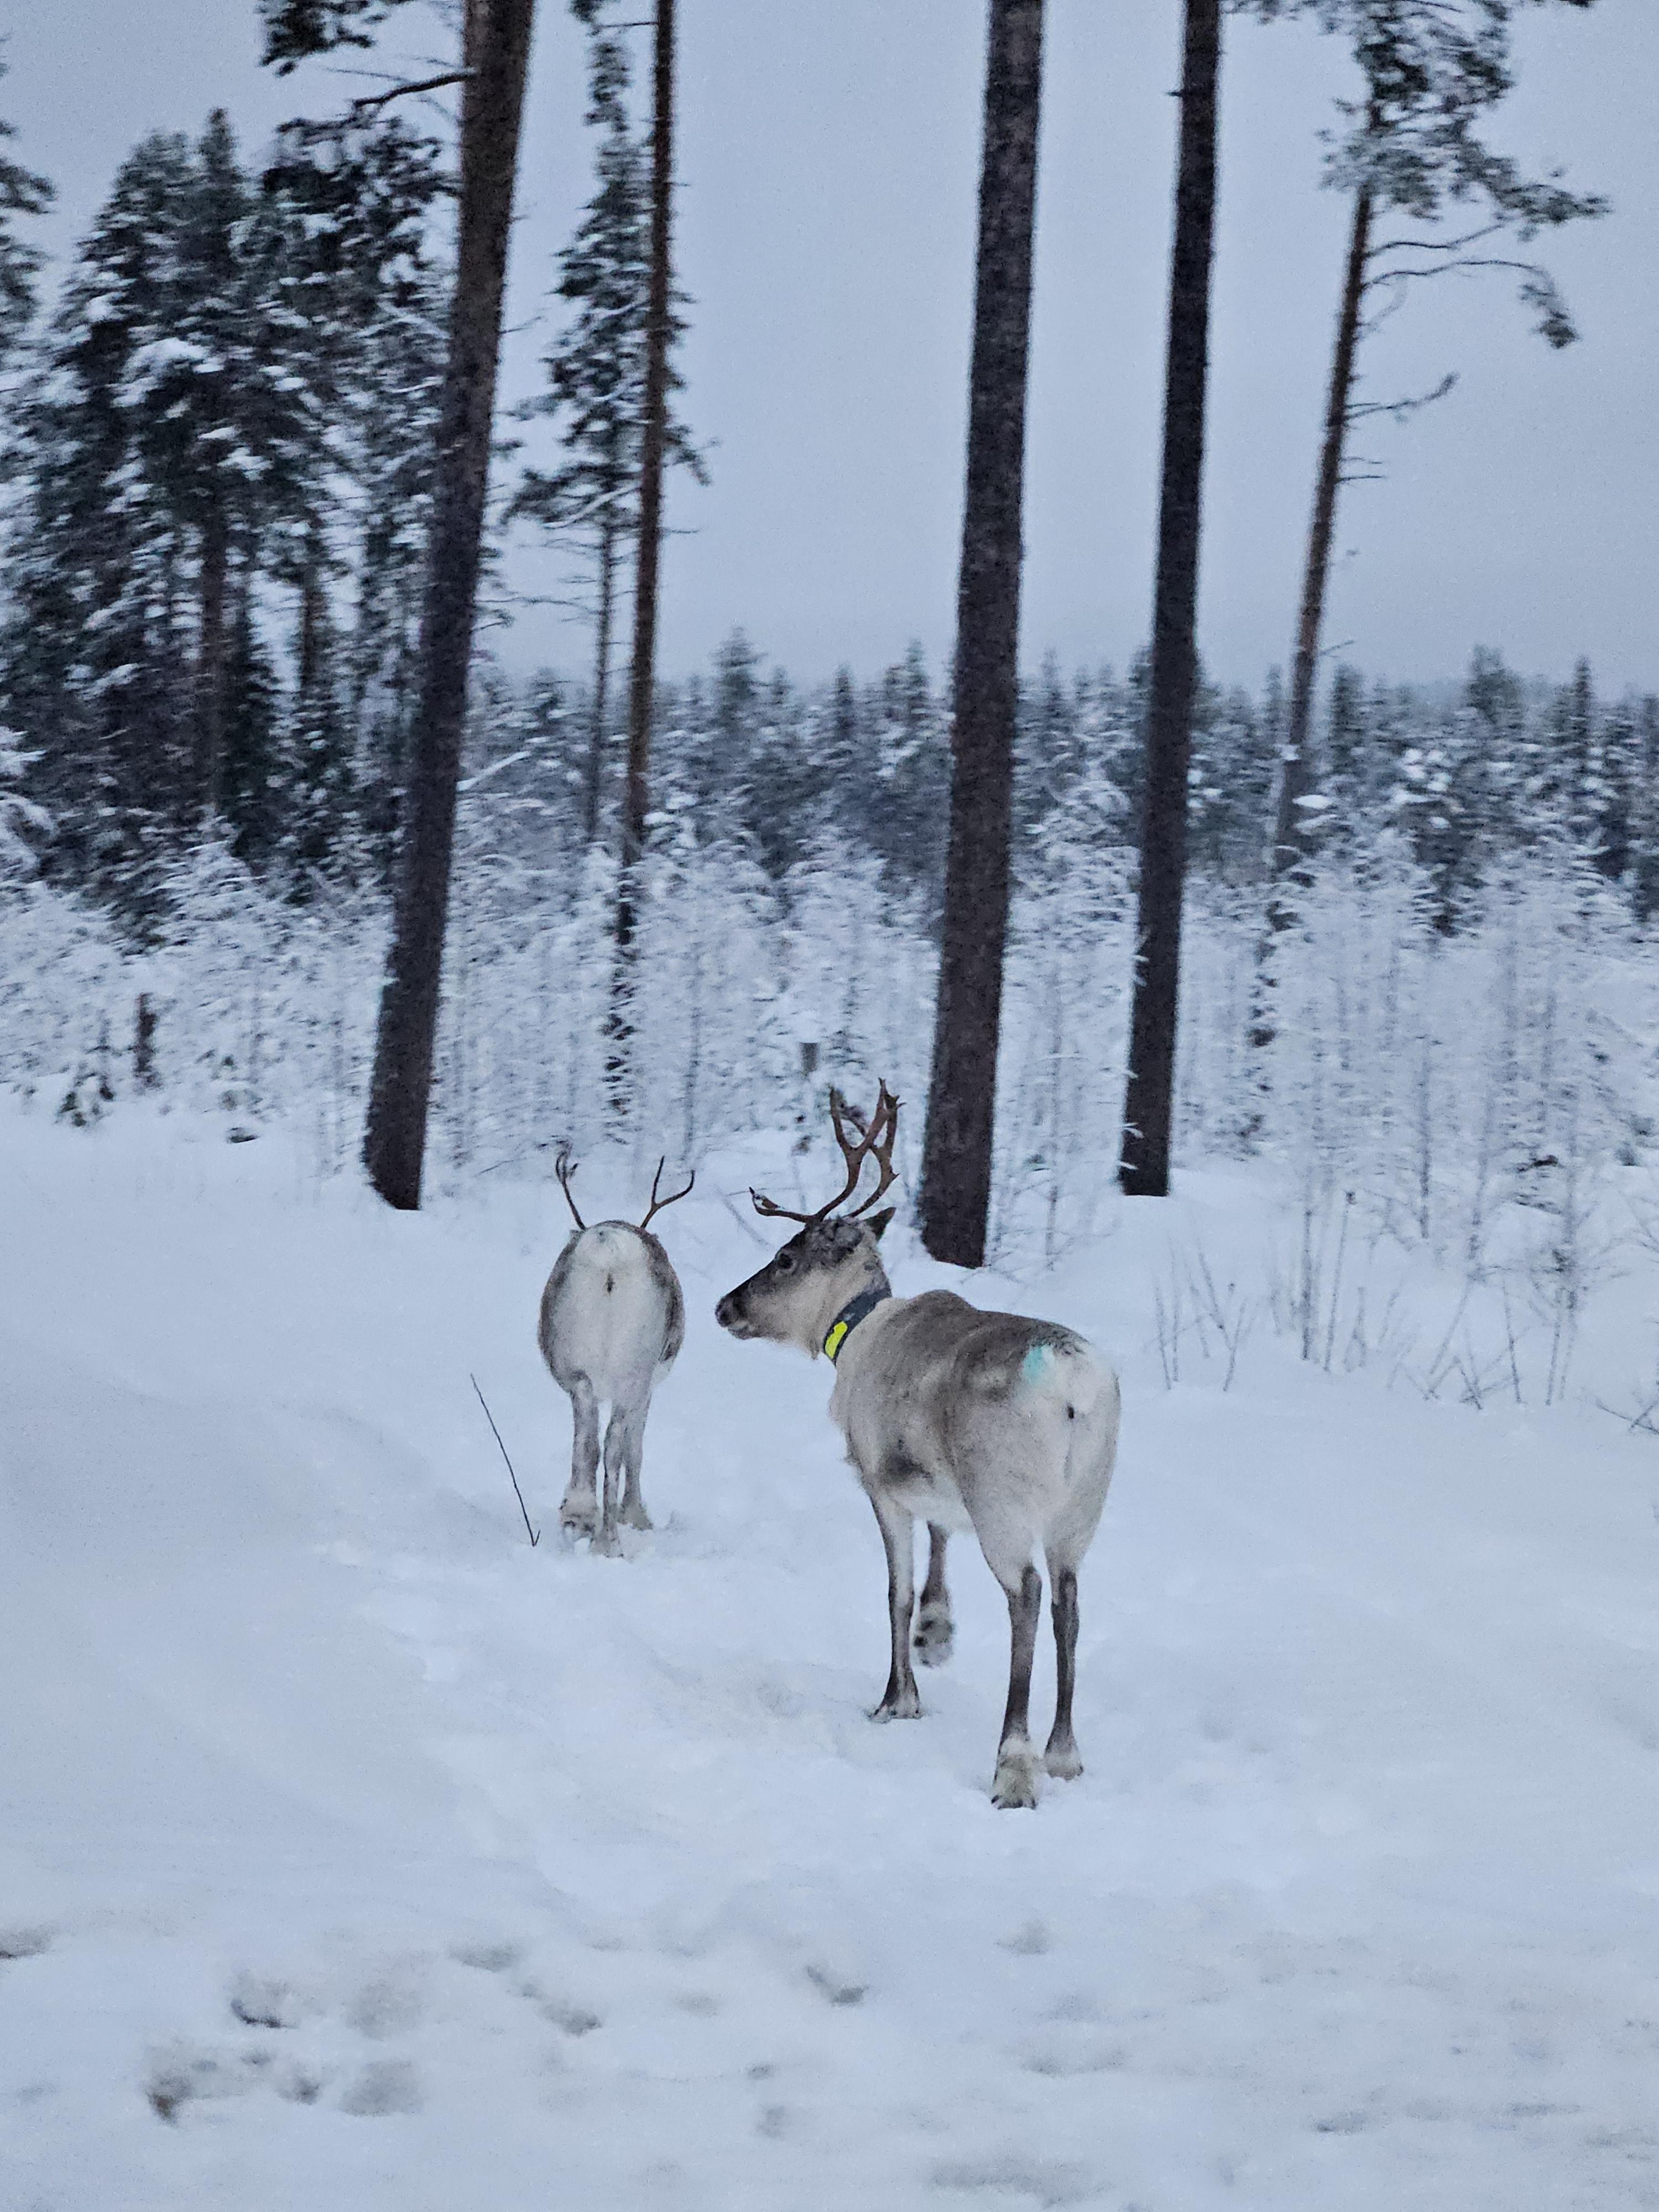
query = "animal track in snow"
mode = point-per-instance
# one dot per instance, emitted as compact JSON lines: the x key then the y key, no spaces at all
{"x":836,"y":1988}
{"x":487,"y":1958}
{"x":300,"y":2084}
{"x":259,"y":2001}
{"x":1061,"y":2055}
{"x":181,"y":2076}
{"x":1030,"y":1941}
{"x":566,"y":2013}
{"x":386,"y":2085}
{"x":24,"y":1943}
{"x":390,"y":1999}
{"x":390,"y":2002}
{"x":1050,"y":2181}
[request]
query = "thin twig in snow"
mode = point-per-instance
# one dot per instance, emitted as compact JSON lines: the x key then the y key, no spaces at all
{"x":534,"y":1535}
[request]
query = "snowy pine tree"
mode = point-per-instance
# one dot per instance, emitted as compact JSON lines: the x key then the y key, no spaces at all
{"x":22,"y":192}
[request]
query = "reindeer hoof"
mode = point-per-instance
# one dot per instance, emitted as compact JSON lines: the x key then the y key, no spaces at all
{"x":1013,"y":1788}
{"x":606,"y":1543}
{"x":900,"y":1705}
{"x":936,"y":1633}
{"x":1061,"y":1759}
{"x":635,"y":1515}
{"x":579,"y":1516}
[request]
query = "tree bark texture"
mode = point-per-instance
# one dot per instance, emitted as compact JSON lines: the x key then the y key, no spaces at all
{"x":598,"y":731}
{"x":955,"y":1197}
{"x":496,"y":52}
{"x":642,"y":672}
{"x":313,"y":617}
{"x":1290,"y":844}
{"x":1149,"y":1097}
{"x":1289,"y":849}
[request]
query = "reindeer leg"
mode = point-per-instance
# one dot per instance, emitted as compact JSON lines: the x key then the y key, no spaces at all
{"x":633,"y":1514}
{"x":899,"y":1701}
{"x":935,"y":1630}
{"x":1060,"y":1757}
{"x":607,"y":1543}
{"x":1015,"y":1781}
{"x":579,"y":1511}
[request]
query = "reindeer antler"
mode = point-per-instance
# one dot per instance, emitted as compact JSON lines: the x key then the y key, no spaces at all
{"x":564,"y":1167}
{"x":875,"y":1141}
{"x":673,"y":1199}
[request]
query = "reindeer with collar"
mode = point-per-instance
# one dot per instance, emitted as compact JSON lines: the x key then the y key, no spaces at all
{"x":960,"y":1417}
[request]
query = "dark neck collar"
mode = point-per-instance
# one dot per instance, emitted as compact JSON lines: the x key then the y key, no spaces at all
{"x":855,"y":1310}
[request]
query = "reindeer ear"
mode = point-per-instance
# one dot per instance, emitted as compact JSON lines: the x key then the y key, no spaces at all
{"x":878,"y":1223}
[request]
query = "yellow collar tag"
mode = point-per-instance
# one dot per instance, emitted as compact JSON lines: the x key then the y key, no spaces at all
{"x":849,"y":1317}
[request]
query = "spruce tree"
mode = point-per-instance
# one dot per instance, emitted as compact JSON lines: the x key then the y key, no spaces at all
{"x":1615,"y":842}
{"x":1493,"y":698}
{"x":219,"y":416}
{"x":906,"y":796}
{"x":352,"y":204}
{"x":98,"y":647}
{"x":22,"y":193}
{"x":24,"y":824}
{"x":1644,"y":872}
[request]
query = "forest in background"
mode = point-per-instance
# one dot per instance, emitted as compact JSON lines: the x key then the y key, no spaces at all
{"x":219,"y":489}
{"x":1462,"y":1071}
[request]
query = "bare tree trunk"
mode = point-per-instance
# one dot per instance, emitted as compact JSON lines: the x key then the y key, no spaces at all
{"x":144,"y":1077}
{"x":313,"y":617}
{"x":597,"y":732}
{"x":955,"y":1197}
{"x":642,"y":674}
{"x":496,"y":52}
{"x":1149,"y":1097}
{"x":1290,"y":838}
{"x":211,"y":655}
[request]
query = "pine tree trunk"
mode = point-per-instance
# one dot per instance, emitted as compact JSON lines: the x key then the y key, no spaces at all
{"x":211,"y":655}
{"x":314,"y":801}
{"x":642,"y":673}
{"x":496,"y":51}
{"x":954,"y":1200}
{"x":596,"y":736}
{"x":1149,"y":1097}
{"x":313,"y":619}
{"x":1290,"y":839}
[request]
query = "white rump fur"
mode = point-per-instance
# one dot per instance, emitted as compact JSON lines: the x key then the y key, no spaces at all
{"x":612,"y":1320}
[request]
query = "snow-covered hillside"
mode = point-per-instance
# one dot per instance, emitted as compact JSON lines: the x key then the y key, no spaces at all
{"x":355,"y":1855}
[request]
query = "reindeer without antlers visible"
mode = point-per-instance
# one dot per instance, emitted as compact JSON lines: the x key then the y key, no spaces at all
{"x":962,"y":1418}
{"x":612,"y":1323}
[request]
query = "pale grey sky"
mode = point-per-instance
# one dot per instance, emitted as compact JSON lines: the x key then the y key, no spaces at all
{"x":829,"y":158}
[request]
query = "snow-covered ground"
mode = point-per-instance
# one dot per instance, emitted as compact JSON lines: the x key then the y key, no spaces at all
{"x":355,"y":1855}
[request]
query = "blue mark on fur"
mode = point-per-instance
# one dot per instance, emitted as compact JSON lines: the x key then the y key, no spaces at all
{"x":1036,"y":1363}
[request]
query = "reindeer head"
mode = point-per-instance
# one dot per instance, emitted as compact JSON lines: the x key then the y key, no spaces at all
{"x":796,"y":1298}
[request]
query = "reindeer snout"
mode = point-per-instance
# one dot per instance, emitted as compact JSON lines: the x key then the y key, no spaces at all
{"x":728,"y":1313}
